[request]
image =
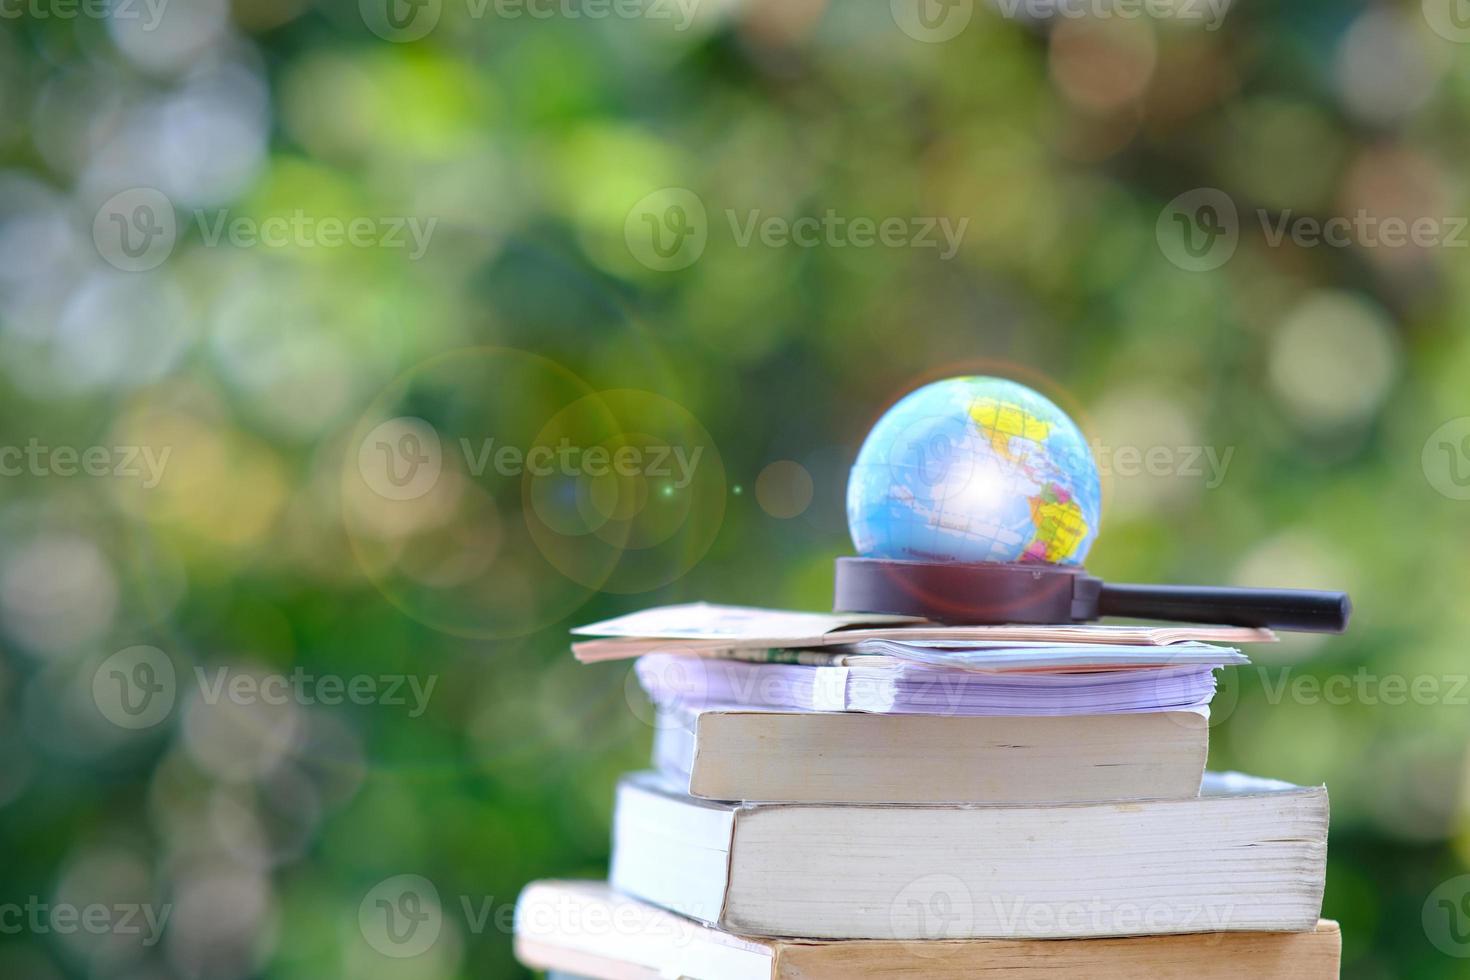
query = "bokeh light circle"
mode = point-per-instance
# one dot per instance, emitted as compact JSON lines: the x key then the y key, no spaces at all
{"x":462,"y":553}
{"x":490,"y":492}
{"x":644,"y":489}
{"x":784,"y":489}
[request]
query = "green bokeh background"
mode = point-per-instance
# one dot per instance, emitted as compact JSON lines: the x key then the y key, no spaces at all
{"x":1319,"y":375}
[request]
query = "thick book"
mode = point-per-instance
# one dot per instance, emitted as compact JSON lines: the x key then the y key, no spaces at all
{"x":878,"y":684}
{"x":835,"y":757}
{"x":585,"y":929}
{"x":1246,"y":855}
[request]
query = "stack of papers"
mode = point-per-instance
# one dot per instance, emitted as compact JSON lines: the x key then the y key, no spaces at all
{"x":703,"y":629}
{"x":680,"y":683}
{"x":701,"y":656}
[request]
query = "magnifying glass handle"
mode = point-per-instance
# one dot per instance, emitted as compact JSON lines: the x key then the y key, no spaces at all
{"x":1287,"y":609}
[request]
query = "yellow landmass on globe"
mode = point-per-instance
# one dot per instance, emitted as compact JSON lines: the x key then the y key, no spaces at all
{"x":1003,"y":420}
{"x":1060,"y":526}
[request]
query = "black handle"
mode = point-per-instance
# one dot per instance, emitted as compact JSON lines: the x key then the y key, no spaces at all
{"x":1288,"y":609}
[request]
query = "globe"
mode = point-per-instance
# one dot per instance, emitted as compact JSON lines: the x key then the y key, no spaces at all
{"x":974,"y":469}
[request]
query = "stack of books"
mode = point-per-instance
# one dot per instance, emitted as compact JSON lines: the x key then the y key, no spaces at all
{"x":860,"y":796}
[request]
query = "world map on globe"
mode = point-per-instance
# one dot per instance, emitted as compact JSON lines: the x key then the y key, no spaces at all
{"x":974,"y":469}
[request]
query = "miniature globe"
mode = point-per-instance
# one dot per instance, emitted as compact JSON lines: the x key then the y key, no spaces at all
{"x":974,"y":469}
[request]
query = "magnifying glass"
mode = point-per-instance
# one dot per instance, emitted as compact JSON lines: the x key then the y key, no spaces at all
{"x":999,"y":592}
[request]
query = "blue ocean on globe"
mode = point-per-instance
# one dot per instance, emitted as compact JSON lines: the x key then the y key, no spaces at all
{"x":975,"y":469}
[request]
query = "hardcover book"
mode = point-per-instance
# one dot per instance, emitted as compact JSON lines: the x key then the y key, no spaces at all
{"x":585,"y":929}
{"x":847,"y":757}
{"x":1247,"y":855}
